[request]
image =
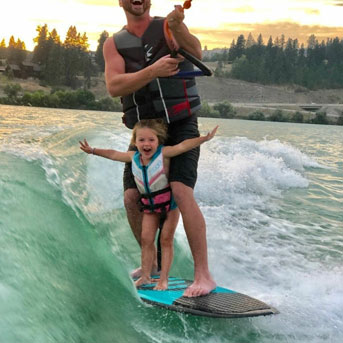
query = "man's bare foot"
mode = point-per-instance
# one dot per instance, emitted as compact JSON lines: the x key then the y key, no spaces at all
{"x":162,"y":285}
{"x":137,"y":273}
{"x":142,"y":281}
{"x":197,"y":289}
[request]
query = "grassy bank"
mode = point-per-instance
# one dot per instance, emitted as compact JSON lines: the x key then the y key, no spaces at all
{"x":30,"y":93}
{"x":58,"y":98}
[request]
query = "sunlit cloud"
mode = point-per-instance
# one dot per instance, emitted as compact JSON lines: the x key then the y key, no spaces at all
{"x":244,"y":9}
{"x":223,"y":37}
{"x":215,"y":22}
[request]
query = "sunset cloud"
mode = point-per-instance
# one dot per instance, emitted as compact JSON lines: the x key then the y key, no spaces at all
{"x":223,"y":38}
{"x":216,"y":23}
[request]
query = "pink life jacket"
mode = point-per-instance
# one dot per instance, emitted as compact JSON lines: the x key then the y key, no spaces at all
{"x":152,"y":182}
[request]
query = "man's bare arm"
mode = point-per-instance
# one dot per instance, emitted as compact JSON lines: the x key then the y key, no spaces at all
{"x":119,"y":83}
{"x":182,"y":37}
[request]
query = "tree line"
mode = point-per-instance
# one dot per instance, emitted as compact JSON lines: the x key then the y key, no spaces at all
{"x":15,"y":52}
{"x":62,"y":63}
{"x":59,"y":98}
{"x":315,"y":66}
{"x":226,"y":111}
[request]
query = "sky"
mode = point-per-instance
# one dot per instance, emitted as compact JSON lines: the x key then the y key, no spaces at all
{"x":215,"y":22}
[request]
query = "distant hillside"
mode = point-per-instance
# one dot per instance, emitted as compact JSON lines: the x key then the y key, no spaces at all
{"x":246,"y":97}
{"x":214,"y":89}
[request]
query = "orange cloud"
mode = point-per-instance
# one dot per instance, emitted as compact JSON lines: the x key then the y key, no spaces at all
{"x":219,"y":38}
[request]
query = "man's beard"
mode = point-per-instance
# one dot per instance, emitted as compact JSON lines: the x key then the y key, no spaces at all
{"x":128,"y":7}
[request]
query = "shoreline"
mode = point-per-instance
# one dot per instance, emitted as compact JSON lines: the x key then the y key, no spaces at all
{"x":246,"y":98}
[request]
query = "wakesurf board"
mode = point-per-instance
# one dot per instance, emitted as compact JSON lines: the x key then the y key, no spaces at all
{"x":220,"y":303}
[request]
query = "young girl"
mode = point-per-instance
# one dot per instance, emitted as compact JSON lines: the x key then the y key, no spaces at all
{"x":150,"y":166}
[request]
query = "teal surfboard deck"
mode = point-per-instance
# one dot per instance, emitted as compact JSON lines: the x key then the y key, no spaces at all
{"x":221,"y":302}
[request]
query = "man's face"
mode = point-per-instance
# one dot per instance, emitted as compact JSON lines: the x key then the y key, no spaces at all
{"x":135,"y":7}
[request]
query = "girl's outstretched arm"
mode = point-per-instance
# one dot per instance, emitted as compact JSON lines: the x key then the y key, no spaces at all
{"x":187,"y":144}
{"x":107,"y":153}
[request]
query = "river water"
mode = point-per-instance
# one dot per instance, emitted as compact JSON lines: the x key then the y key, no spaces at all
{"x":272,"y":196}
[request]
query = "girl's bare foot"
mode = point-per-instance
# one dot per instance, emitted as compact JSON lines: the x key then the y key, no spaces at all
{"x":137,"y":273}
{"x":142,"y":281}
{"x":162,"y":285}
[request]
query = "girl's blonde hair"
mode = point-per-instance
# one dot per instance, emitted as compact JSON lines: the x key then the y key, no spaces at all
{"x":156,"y":125}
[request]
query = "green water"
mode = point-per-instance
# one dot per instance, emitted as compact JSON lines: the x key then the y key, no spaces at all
{"x":272,"y":196}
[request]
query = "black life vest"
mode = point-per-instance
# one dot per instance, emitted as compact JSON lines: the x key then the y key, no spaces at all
{"x":170,"y":98}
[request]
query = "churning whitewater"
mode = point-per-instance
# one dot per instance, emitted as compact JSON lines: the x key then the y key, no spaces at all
{"x":271,"y":194}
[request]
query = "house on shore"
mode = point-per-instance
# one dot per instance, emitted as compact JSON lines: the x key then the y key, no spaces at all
{"x":22,"y":70}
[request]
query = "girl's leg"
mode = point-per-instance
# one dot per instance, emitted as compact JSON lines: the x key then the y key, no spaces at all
{"x":150,"y":223}
{"x":167,"y":245}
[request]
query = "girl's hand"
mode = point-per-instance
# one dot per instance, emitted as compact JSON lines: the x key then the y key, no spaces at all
{"x":211,"y":134}
{"x":84,"y":146}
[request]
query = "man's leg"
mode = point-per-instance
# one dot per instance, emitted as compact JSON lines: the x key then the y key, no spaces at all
{"x":134,"y":215}
{"x":195,"y":228}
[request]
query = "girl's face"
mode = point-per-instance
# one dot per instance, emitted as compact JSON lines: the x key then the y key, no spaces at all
{"x":146,"y":142}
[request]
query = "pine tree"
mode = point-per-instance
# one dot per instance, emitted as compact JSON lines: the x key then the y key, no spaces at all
{"x":76,"y":40}
{"x":41,"y":51}
{"x":76,"y":56}
{"x":83,"y":42}
{"x":250,"y":41}
{"x":232,"y":52}
{"x":53,"y":36}
{"x":16,"y":51}
{"x":3,"y":50}
{"x":12,"y":42}
{"x":260,"y":40}
{"x":291,"y":55}
{"x":99,"y":56}
{"x":71,"y":39}
{"x":54,"y":72}
{"x":240,"y":46}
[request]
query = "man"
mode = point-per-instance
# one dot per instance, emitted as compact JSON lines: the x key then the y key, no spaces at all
{"x":137,"y":67}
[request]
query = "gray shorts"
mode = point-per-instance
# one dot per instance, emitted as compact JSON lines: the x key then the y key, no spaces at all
{"x":183,"y":168}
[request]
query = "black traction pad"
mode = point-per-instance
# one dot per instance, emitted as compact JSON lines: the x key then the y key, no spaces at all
{"x":225,"y":305}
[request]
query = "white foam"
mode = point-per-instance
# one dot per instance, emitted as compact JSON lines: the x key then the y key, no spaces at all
{"x":239,"y":166}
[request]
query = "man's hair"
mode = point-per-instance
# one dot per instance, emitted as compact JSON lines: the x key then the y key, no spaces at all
{"x":157,"y":125}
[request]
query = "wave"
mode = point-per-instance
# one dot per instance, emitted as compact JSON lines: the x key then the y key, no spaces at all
{"x":68,"y":249}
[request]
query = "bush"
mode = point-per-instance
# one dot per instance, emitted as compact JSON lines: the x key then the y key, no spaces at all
{"x":85,"y":99}
{"x":277,"y":116}
{"x":37,"y":99}
{"x":257,"y":115}
{"x":340,"y":119}
{"x":207,"y":111}
{"x":26,"y":99}
{"x":297,"y":117}
{"x":67,"y":99}
{"x":12,"y":90}
{"x":225,"y":110}
{"x":320,"y":118}
{"x":109,"y":104}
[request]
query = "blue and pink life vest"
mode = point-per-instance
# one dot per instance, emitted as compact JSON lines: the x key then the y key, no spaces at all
{"x":152,"y":182}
